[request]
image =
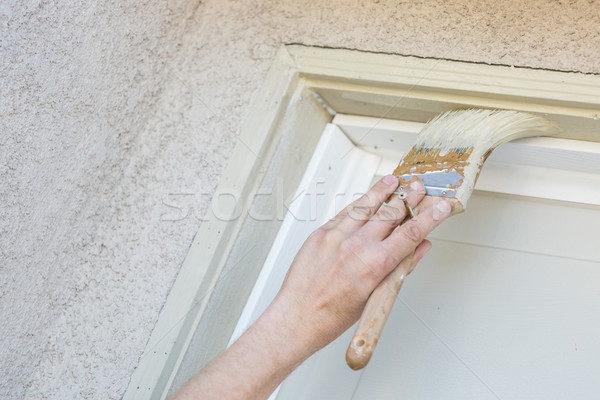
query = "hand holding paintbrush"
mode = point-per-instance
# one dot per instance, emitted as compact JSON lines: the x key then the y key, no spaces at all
{"x":447,"y":157}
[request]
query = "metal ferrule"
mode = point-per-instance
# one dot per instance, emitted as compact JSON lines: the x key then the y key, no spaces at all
{"x":441,"y":183}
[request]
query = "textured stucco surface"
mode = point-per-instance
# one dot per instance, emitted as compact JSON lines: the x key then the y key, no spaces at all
{"x":117,"y":118}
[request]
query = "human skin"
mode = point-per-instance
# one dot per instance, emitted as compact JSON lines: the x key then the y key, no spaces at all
{"x":323,"y":294}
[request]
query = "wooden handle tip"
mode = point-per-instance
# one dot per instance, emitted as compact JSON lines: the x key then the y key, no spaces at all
{"x":359,"y":353}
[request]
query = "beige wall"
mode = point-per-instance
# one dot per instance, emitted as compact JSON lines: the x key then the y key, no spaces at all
{"x":113,"y":114}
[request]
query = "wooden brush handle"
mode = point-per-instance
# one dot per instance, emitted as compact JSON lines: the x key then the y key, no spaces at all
{"x":375,"y":315}
{"x":380,"y":303}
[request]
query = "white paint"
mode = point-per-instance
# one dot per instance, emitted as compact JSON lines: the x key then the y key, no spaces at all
{"x":112,"y":111}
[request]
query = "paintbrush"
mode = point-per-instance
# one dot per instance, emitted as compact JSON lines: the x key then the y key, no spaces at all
{"x":447,"y":157}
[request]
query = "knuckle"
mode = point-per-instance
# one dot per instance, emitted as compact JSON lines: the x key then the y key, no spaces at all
{"x":362,"y":200}
{"x":390,"y":214}
{"x":412,"y":232}
{"x":378,"y":260}
{"x":327,"y":236}
{"x":394,"y":258}
{"x":369,"y":264}
{"x":341,"y":215}
{"x":319,"y":233}
{"x":351,"y":247}
{"x":360,"y":212}
{"x":374,"y":266}
{"x":333,"y":237}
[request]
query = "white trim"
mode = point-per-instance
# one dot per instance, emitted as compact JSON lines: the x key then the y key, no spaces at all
{"x":447,"y":76}
{"x":416,"y":89}
{"x":542,"y":167}
{"x":333,"y":178}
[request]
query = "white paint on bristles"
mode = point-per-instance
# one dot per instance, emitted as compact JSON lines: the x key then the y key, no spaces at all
{"x":481,"y":129}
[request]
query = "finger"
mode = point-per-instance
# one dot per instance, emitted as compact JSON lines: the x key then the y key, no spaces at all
{"x":392,"y":214}
{"x":357,"y":213}
{"x":409,"y":235}
{"x":420,"y":251}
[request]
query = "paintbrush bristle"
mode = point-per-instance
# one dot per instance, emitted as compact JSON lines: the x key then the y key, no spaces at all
{"x":486,"y":129}
{"x":462,"y":140}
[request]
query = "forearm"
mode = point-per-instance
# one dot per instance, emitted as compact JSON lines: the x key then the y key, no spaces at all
{"x":257,"y":362}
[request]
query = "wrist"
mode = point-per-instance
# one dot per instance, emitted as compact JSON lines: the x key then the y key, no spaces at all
{"x":286,"y":333}
{"x":264,"y":355}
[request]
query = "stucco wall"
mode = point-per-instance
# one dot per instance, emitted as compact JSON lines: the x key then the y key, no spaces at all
{"x":117,"y":118}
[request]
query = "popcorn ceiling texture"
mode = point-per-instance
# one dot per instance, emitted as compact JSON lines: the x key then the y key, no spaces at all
{"x":117,"y":118}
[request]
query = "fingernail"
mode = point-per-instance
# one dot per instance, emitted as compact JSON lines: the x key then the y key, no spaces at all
{"x":444,"y":207}
{"x":390,"y":179}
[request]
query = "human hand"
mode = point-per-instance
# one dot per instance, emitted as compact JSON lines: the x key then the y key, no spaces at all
{"x":323,"y":294}
{"x":342,"y":262}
